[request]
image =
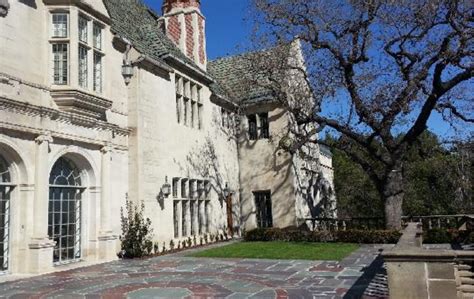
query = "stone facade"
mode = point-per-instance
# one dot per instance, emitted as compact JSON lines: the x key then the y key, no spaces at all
{"x":96,"y":110}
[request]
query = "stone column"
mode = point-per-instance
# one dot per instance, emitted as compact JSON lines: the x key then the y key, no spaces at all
{"x":41,"y":247}
{"x":107,"y":241}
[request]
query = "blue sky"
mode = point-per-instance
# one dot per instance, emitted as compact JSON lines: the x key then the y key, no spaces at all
{"x":228,"y":33}
{"x":226,"y":30}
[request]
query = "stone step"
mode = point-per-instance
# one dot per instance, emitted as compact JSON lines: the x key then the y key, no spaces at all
{"x":463,"y":267}
{"x":465,"y":296}
{"x":466,"y":289}
{"x":467,"y":281}
{"x":465,"y":274}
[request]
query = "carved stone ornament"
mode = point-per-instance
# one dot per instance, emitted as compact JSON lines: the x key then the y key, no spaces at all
{"x":4,"y":7}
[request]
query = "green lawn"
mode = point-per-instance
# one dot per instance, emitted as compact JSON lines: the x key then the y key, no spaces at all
{"x":281,"y":250}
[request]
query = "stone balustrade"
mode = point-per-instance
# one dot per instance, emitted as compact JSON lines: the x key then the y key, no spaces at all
{"x":414,"y":272}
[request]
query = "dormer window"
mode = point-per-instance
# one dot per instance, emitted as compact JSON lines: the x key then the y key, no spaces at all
{"x":60,"y":25}
{"x":258,"y":125}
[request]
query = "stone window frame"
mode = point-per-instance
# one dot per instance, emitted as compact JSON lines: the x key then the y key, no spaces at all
{"x":71,"y":43}
{"x":258,"y":126}
{"x":193,"y":213}
{"x":189,"y":105}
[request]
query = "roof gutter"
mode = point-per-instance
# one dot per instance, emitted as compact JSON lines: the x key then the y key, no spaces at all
{"x":197,"y":72}
{"x":146,"y":59}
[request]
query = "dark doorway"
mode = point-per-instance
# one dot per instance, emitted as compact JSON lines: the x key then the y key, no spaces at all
{"x":230,"y":220}
{"x":263,"y":204}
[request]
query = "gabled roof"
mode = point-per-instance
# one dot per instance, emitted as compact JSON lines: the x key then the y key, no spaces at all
{"x":136,"y":22}
{"x":237,"y":77}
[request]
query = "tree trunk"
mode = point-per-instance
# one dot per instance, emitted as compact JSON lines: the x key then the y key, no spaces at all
{"x":393,"y":198}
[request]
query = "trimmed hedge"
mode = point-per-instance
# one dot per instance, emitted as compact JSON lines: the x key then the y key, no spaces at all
{"x":347,"y":236}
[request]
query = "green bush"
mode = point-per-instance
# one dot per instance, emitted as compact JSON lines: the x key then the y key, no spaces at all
{"x":136,"y":231}
{"x":368,"y":236}
{"x":444,"y":236}
{"x":347,"y":236}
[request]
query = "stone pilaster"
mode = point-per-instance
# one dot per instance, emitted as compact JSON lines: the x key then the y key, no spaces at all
{"x":107,"y":241}
{"x":41,"y":247}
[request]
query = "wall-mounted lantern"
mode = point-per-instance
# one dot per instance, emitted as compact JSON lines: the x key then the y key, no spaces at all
{"x":127,"y":72}
{"x":4,"y":8}
{"x":166,"y":188}
{"x":226,"y":190}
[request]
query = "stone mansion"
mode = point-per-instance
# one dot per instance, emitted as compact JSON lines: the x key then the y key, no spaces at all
{"x":104,"y":101}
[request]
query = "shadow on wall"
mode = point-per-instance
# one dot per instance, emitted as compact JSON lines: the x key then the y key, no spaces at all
{"x":205,"y":162}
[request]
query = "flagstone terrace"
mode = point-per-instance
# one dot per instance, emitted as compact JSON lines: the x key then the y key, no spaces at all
{"x":178,"y":276}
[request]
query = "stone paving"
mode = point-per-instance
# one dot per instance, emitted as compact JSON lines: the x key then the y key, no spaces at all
{"x":360,"y":275}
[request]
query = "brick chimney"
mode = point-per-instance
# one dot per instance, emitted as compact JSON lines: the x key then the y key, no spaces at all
{"x":185,"y":26}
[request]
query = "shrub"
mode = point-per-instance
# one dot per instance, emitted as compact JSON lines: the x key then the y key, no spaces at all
{"x":348,"y":236}
{"x":368,"y":236}
{"x":440,"y":236}
{"x":136,"y":231}
{"x":171,"y":245}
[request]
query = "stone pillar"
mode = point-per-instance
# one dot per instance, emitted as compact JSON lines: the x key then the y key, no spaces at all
{"x":41,"y":247}
{"x":107,"y":241}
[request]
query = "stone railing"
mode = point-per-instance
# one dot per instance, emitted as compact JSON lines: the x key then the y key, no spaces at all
{"x":368,"y":223}
{"x":414,"y":272}
{"x":440,"y":221}
{"x":335,"y":224}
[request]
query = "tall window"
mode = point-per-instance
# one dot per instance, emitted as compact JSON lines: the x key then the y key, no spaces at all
{"x":264,"y":127}
{"x":60,"y":25}
{"x":83,"y":67}
{"x":263,"y":204}
{"x":83,"y":24}
{"x":64,"y":221}
{"x":97,"y":72}
{"x":176,"y":218}
{"x":97,"y":36}
{"x":184,"y":217}
{"x":199,"y":216}
{"x":256,"y":132}
{"x":60,"y":63}
{"x":253,"y":134}
{"x":192,"y":210}
{"x":207,"y":213}
{"x":175,"y":187}
{"x":188,"y":103}
{"x":5,"y":189}
{"x":184,"y":188}
{"x":179,"y":97}
{"x":88,"y":51}
{"x":199,"y":108}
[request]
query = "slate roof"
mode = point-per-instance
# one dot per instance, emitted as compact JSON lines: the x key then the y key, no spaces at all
{"x":133,"y":20}
{"x":136,"y":22}
{"x":238,"y":76}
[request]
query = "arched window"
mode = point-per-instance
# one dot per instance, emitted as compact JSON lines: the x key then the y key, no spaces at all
{"x":5,"y":189}
{"x":64,"y":221}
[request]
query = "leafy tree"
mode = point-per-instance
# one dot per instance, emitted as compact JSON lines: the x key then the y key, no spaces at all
{"x":432,"y":181}
{"x":378,"y":70}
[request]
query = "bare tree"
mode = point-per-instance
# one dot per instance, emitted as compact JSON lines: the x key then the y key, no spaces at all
{"x":375,"y":70}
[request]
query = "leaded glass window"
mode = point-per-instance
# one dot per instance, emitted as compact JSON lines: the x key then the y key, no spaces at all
{"x":5,"y":188}
{"x":60,"y":63}
{"x":83,"y":67}
{"x":97,"y":72}
{"x":64,"y":218}
{"x":97,"y":35}
{"x":82,"y":29}
{"x":60,"y":25}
